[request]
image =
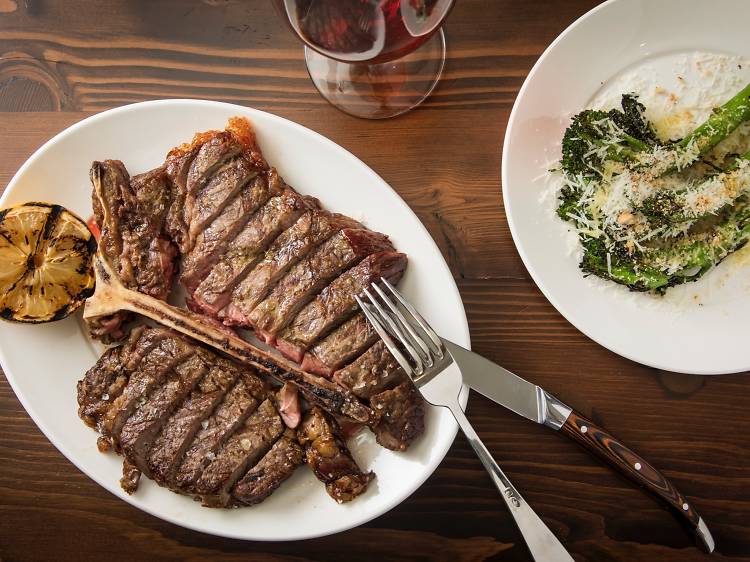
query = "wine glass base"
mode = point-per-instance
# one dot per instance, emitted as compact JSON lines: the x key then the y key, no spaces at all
{"x":379,"y":91}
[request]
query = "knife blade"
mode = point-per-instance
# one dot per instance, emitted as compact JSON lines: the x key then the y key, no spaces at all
{"x":508,"y":389}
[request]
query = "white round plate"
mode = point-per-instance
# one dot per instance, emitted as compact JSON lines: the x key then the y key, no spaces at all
{"x":655,"y":47}
{"x":44,"y":362}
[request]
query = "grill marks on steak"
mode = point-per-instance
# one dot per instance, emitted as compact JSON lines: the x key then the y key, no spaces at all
{"x":151,"y":372}
{"x":240,"y":402}
{"x":336,"y":303}
{"x":272,"y":470}
{"x":341,"y":346}
{"x":211,"y":243}
{"x":293,"y":245}
{"x":139,"y":431}
{"x":329,"y":457}
{"x":180,"y":429}
{"x":248,"y":248}
{"x":244,"y":448}
{"x":303,"y":281}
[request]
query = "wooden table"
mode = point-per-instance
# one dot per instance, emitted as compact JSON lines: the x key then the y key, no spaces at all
{"x":61,"y":61}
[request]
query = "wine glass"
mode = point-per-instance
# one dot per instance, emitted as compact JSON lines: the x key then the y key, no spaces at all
{"x":371,"y":58}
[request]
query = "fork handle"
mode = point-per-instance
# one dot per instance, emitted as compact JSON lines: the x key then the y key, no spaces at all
{"x":542,"y":544}
{"x":629,"y":463}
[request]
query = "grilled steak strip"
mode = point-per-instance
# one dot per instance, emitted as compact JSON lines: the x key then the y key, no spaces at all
{"x":304,"y":280}
{"x":372,"y":372}
{"x":218,"y":191}
{"x":289,"y":248}
{"x":141,"y":428}
{"x":105,"y":380}
{"x":179,"y":430}
{"x":211,"y":243}
{"x":209,"y":159}
{"x":239,"y":403}
{"x":329,"y":457}
{"x":401,"y":418}
{"x":151,"y":372}
{"x":341,"y":346}
{"x":177,"y":166}
{"x":248,"y":248}
{"x":244,"y":448}
{"x":272,"y":470}
{"x":336,"y":302}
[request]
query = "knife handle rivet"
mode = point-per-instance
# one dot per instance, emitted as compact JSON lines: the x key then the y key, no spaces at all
{"x":685,"y":506}
{"x":637,"y":466}
{"x":584,"y":429}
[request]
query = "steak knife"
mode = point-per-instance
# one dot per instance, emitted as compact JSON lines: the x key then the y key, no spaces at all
{"x":536,"y":404}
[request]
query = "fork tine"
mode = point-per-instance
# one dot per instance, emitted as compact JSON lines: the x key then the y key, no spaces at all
{"x":386,"y":337}
{"x":395,"y":329}
{"x":434,"y":338}
{"x":414,"y":338}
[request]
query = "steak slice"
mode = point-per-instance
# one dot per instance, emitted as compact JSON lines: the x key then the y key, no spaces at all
{"x":244,"y":448}
{"x":329,"y":457}
{"x":308,"y":277}
{"x":177,"y":166}
{"x":151,"y":372}
{"x":248,"y":248}
{"x":239,"y":403}
{"x":341,"y":346}
{"x":336,"y":303}
{"x":274,"y":468}
{"x":401,"y":416}
{"x":290,"y":247}
{"x":104,"y":382}
{"x":209,"y":201}
{"x":372,"y":372}
{"x":140,"y":430}
{"x":211,"y":243}
{"x":181,"y":427}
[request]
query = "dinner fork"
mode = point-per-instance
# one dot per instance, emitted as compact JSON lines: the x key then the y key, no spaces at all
{"x":430,"y":357}
{"x":423,"y":355}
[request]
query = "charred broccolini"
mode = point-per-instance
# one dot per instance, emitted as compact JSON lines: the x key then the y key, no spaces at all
{"x":646,"y":216}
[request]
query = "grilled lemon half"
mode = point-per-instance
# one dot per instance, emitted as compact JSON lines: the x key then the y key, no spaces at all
{"x":45,"y":263}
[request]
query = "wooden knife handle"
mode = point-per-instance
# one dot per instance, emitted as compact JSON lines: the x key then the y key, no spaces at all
{"x":636,"y":468}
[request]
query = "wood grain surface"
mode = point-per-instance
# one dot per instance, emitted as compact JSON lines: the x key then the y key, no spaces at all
{"x":62,"y":60}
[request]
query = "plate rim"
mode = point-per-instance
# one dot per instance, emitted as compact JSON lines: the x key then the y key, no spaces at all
{"x":320,"y":138}
{"x":564,"y":310}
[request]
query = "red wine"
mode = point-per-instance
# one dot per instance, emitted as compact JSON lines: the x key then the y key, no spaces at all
{"x":365,"y":30}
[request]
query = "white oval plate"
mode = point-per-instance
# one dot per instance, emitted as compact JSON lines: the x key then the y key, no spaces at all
{"x":43,"y":363}
{"x":698,"y":328}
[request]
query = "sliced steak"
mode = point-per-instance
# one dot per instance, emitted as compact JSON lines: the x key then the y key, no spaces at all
{"x":105,"y":380}
{"x":140,"y":430}
{"x":244,"y":448}
{"x":211,"y":243}
{"x":177,"y":166}
{"x":274,"y":468}
{"x":303,"y":281}
{"x":151,"y":372}
{"x":341,"y":346}
{"x":239,"y":403}
{"x":329,"y":457}
{"x":218,"y":191}
{"x":372,"y":372}
{"x":181,"y":427}
{"x":248,"y":248}
{"x":289,"y":248}
{"x":401,"y":416}
{"x":336,"y":303}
